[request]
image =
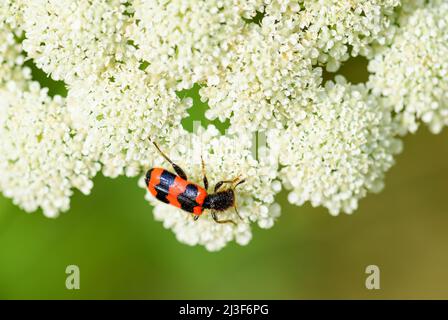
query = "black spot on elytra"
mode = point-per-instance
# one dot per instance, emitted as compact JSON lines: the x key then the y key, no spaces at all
{"x":187,"y":199}
{"x":166,"y":180}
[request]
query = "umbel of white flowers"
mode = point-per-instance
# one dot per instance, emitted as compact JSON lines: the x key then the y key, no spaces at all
{"x":259,"y":64}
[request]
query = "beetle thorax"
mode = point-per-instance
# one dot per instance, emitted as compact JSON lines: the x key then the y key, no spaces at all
{"x":220,"y":201}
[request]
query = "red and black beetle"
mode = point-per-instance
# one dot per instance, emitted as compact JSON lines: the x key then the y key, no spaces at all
{"x":176,"y":190}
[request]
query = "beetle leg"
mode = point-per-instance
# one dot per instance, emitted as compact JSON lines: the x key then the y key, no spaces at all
{"x":236,"y":211}
{"x":195,"y":217}
{"x":235,"y":203}
{"x":176,"y":168}
{"x":205,"y":180}
{"x":215,"y":217}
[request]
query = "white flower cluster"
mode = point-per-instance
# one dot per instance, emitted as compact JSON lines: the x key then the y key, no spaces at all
{"x":11,"y":60}
{"x":259,"y":64}
{"x":275,"y":64}
{"x":119,"y":110}
{"x":412,"y":74}
{"x":340,"y":150}
{"x":74,"y":39}
{"x":40,"y":156}
{"x":337,"y":28}
{"x":188,"y":40}
{"x":11,"y":13}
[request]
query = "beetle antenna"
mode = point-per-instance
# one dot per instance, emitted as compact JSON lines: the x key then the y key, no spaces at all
{"x":236,"y":185}
{"x":239,"y":182}
{"x":160,"y":151}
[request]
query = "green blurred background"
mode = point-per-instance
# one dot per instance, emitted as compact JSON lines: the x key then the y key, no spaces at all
{"x":123,"y":253}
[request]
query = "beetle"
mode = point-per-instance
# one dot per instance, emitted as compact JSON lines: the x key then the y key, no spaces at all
{"x":176,"y":190}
